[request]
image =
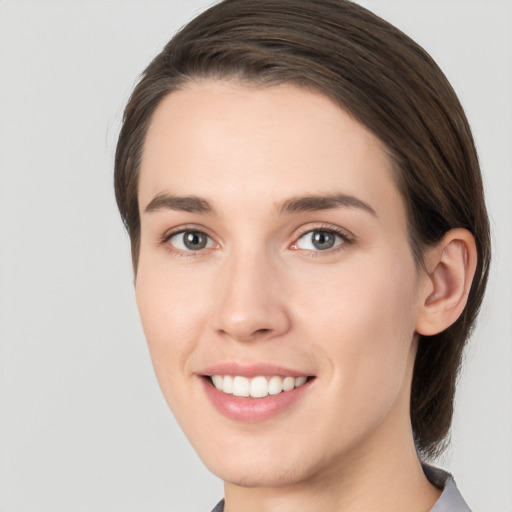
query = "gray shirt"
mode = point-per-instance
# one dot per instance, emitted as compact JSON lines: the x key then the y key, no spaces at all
{"x":449,"y":501}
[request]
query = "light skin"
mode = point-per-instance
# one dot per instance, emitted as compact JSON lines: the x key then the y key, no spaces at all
{"x":258,"y":172}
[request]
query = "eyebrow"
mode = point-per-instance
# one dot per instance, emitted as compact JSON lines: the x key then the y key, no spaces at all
{"x":324,"y":202}
{"x":297,"y":204}
{"x":192,"y":204}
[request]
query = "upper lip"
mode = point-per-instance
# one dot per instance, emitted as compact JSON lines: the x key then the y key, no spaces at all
{"x":250,"y":370}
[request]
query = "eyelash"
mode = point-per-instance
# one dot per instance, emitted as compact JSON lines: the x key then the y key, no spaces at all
{"x":165,"y":240}
{"x":346,"y":239}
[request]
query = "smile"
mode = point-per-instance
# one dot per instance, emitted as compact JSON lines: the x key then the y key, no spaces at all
{"x":255,"y":392}
{"x":256,"y":387}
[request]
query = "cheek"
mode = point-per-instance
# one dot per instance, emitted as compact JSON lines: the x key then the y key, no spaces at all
{"x":172,"y":312}
{"x":362,"y":320}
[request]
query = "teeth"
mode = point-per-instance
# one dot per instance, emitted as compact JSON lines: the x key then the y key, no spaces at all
{"x":241,"y":386}
{"x":217,"y":381}
{"x":226,"y":384}
{"x":257,"y":387}
{"x":275,"y":385}
{"x":300,"y":380}
{"x":288,"y":383}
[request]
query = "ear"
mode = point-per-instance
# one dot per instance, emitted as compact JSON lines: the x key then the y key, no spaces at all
{"x":445,"y":287}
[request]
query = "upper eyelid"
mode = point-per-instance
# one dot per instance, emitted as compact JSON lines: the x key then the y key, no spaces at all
{"x":332,"y":228}
{"x":337,"y":235}
{"x":298,"y":233}
{"x":164,"y":241}
{"x":182,"y":229}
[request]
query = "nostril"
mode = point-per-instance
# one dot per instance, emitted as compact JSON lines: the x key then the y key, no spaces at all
{"x":262,"y":331}
{"x":242,"y":332}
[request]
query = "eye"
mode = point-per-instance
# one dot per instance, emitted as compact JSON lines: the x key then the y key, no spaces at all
{"x":319,"y":240}
{"x":190,"y":241}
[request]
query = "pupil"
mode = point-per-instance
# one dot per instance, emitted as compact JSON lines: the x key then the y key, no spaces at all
{"x":323,"y":240}
{"x":194,"y":240}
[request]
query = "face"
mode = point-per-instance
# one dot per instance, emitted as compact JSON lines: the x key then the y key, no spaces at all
{"x":276,"y":285}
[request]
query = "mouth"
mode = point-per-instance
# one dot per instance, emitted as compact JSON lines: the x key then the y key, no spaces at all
{"x":256,"y":387}
{"x":254,"y":393}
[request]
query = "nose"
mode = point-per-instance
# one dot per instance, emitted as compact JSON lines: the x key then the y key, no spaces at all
{"x":250,"y":303}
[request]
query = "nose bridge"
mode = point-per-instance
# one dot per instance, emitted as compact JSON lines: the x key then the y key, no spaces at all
{"x":250,"y":302}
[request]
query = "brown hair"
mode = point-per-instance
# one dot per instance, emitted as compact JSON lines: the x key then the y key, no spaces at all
{"x":387,"y":82}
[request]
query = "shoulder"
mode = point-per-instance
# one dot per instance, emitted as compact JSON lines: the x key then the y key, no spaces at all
{"x":219,"y":507}
{"x":450,"y":499}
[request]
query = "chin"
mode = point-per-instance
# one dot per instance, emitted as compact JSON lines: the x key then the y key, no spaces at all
{"x":259,"y":466}
{"x":253,"y":475}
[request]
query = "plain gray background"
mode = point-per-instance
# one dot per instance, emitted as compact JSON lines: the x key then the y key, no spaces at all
{"x":83,"y":426}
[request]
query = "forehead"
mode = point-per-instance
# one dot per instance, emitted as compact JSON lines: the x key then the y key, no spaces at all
{"x":227,"y":141}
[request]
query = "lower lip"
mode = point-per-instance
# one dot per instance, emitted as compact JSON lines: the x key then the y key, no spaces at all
{"x":252,"y":410}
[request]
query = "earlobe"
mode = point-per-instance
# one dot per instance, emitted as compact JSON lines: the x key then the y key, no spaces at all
{"x":451,"y":266}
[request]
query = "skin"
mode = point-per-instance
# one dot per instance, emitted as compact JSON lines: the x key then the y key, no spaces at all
{"x":259,"y":292}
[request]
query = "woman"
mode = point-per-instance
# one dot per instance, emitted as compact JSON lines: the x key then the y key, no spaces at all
{"x":311,"y":246}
